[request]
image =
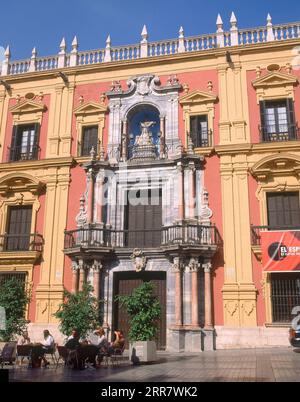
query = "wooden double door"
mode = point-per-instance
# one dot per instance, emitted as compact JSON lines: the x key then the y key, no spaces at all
{"x":124,"y":284}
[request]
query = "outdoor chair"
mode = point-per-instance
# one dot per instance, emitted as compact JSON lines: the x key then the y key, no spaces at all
{"x":65,"y":355}
{"x":8,"y":354}
{"x":115,"y":357}
{"x":23,"y":351}
{"x":52,"y":353}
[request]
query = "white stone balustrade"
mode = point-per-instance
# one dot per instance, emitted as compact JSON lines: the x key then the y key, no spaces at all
{"x":144,"y":49}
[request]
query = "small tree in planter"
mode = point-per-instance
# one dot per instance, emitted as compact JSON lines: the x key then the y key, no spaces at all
{"x":79,"y":310}
{"x":14,"y":298}
{"x":144,"y":311}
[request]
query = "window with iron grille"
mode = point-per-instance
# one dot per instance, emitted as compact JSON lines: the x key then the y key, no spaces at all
{"x":6,"y":276}
{"x":89,"y":140}
{"x":278,"y":120}
{"x":199,"y":131}
{"x":283,"y":210}
{"x":285,"y":295}
{"x":18,"y":229}
{"x":24,"y":144}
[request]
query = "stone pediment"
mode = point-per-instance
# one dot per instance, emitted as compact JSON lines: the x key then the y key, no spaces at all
{"x":198,"y":97}
{"x":90,"y":108}
{"x":276,"y":165}
{"x":14,"y":183}
{"x":274,"y":79}
{"x":28,"y":106}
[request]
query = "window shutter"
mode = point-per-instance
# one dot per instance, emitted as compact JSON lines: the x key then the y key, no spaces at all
{"x":291,"y":117}
{"x":14,"y":143}
{"x":36,"y":140}
{"x":89,"y":140}
{"x":194,"y":130}
{"x":262,"y":105}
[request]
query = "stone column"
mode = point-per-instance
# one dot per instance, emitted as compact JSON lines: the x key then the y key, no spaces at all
{"x":180,"y":170}
{"x":194,"y":266}
{"x":81,"y":275}
{"x":177,"y":268}
{"x":99,"y":206}
{"x":192,"y":190}
{"x":163,"y":136}
{"x":124,"y":140}
{"x":208,"y":295}
{"x":97,"y":267}
{"x":90,"y":178}
{"x":74,"y":276}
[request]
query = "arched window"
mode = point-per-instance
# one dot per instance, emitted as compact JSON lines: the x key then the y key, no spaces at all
{"x":141,"y":114}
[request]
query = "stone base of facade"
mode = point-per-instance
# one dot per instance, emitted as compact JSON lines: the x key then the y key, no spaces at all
{"x":35,"y":332}
{"x":237,"y":338}
{"x":194,"y":339}
{"x":191,"y":339}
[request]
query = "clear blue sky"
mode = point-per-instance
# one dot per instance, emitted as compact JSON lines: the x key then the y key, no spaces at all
{"x":41,"y":23}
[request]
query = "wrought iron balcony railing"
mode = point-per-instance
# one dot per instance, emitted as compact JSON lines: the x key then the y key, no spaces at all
{"x":256,"y":232}
{"x":279,"y":132}
{"x":17,"y":242}
{"x":20,"y":153}
{"x":187,"y":234}
{"x":202,"y":139}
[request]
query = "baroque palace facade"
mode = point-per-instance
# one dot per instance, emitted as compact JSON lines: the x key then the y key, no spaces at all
{"x":176,"y":162}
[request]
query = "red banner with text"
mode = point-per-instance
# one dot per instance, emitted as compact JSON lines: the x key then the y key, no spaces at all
{"x":281,"y":251}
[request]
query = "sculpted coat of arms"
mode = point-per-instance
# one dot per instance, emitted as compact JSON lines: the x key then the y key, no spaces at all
{"x":139,"y":260}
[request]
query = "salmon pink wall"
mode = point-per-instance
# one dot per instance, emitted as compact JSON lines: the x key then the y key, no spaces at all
{"x":212,"y":183}
{"x":254,"y":111}
{"x":297,"y":97}
{"x":90,"y":92}
{"x":43,"y":130}
{"x":198,"y":81}
{"x":77,"y":189}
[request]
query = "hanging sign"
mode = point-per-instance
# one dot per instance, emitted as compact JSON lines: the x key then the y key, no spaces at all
{"x":281,"y":251}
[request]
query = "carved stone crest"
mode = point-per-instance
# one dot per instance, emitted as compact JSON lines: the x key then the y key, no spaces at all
{"x":143,"y":84}
{"x":139,"y":260}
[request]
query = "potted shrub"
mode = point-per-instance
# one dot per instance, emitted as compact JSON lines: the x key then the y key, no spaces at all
{"x":80,"y":310}
{"x":14,"y":299}
{"x":144,"y":311}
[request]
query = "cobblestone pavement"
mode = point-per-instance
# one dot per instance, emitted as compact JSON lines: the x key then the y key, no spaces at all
{"x":269,"y":364}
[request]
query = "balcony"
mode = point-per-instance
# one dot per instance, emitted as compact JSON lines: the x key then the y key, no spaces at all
{"x":21,"y":153}
{"x":24,"y":248}
{"x":202,"y":139}
{"x":279,"y":133}
{"x":106,"y":240}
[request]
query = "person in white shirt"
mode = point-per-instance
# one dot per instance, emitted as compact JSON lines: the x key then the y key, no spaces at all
{"x":48,"y":346}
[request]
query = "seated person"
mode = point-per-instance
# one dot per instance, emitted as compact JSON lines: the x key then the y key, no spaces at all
{"x":39,"y":350}
{"x":101,"y":342}
{"x":73,"y":340}
{"x":24,"y":339}
{"x":47,"y":345}
{"x":119,"y":342}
